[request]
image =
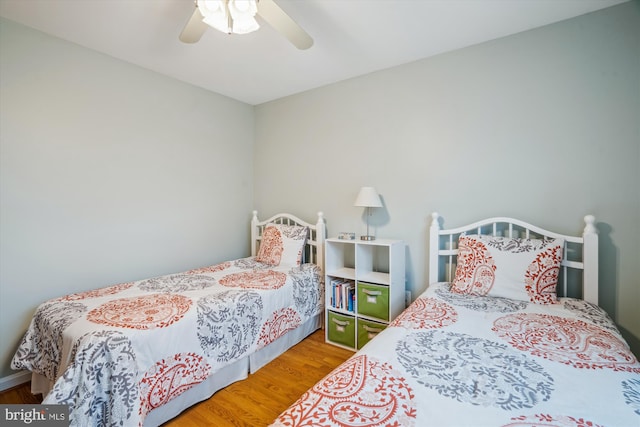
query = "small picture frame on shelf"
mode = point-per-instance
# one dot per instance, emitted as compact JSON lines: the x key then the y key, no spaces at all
{"x":345,"y":235}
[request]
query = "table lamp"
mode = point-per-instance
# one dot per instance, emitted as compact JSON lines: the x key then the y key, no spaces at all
{"x":368,"y":198}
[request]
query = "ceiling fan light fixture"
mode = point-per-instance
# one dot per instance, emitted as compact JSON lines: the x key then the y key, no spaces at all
{"x":230,"y":16}
{"x":239,"y":17}
{"x":214,"y":14}
{"x":243,"y":14}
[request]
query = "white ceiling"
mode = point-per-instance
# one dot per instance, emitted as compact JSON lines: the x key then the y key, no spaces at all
{"x":351,"y":37}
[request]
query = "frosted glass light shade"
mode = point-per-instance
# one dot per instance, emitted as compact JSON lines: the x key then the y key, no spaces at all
{"x":214,"y":13}
{"x":243,"y":13}
{"x":368,"y":198}
{"x":230,"y":16}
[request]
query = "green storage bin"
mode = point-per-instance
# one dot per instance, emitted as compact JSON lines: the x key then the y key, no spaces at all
{"x":368,"y":330}
{"x":373,"y":300}
{"x":341,"y":329}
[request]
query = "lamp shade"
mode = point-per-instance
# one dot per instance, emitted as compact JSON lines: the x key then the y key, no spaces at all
{"x":368,"y":198}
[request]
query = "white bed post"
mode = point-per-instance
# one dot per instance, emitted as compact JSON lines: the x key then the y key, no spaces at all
{"x":254,"y":233}
{"x":434,"y":248}
{"x":590,"y":260}
{"x":320,"y":236}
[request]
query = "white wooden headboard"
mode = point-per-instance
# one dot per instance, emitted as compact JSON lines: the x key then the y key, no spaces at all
{"x":579,"y":269}
{"x":314,"y":248}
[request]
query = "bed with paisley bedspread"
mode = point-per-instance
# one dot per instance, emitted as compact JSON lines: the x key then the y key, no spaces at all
{"x":490,"y":344}
{"x":140,"y":352}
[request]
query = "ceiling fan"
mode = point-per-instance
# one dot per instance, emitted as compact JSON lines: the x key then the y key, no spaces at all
{"x":237,"y":17}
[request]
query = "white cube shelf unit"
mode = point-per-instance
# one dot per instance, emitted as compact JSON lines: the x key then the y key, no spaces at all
{"x":364,"y":288}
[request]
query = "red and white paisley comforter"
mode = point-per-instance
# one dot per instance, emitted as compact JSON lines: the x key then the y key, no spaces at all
{"x":115,"y":354}
{"x":459,"y":360}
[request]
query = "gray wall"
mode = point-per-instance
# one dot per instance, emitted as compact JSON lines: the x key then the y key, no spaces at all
{"x":109,"y":173}
{"x":543,"y":126}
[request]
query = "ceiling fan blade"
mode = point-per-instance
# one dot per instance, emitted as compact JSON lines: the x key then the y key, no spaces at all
{"x":278,"y":19}
{"x":194,"y":29}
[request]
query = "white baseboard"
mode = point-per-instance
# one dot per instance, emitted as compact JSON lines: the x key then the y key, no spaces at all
{"x":15,"y":379}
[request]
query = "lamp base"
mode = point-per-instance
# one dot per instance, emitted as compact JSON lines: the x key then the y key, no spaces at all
{"x":367,"y":237}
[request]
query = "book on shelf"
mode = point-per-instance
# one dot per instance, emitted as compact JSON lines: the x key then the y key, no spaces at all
{"x":343,"y":294}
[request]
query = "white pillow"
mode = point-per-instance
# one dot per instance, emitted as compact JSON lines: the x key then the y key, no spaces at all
{"x":521,"y":269}
{"x":282,"y":244}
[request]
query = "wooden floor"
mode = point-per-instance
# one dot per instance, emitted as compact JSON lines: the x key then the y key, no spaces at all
{"x":256,"y":401}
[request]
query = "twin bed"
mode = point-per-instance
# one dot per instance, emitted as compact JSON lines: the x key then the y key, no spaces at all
{"x":139,"y":353}
{"x":489,"y":343}
{"x":508,"y":333}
